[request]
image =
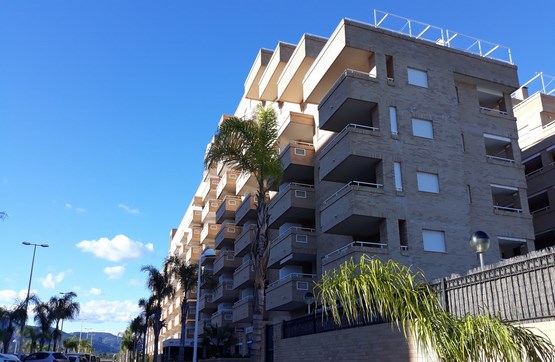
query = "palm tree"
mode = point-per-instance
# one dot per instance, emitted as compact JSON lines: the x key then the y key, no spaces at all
{"x":32,"y":334}
{"x":71,"y":343}
{"x":186,"y":276}
{"x":10,"y":318}
{"x":136,"y":328}
{"x":250,"y":145}
{"x":147,"y":306}
{"x":372,"y":289}
{"x":63,"y":308}
{"x":159,"y":284}
{"x":217,"y":340}
{"x":43,"y":319}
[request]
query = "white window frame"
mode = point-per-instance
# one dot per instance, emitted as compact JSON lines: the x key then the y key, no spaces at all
{"x":423,"y":128}
{"x":417,"y":77}
{"x":300,"y":151}
{"x":300,"y":238}
{"x":300,"y":194}
{"x":433,"y":240}
{"x":428,"y":182}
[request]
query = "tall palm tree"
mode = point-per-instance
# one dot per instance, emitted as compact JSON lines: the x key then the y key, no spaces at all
{"x":159,"y":284}
{"x":11,"y":318}
{"x":43,"y":320}
{"x":186,"y":276}
{"x":63,"y":308}
{"x":147,"y":306}
{"x":32,"y":334}
{"x":136,"y":328}
{"x":373,"y":289}
{"x":250,"y":145}
{"x":71,"y":344}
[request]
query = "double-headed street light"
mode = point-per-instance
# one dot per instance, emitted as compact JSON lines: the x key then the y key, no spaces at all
{"x":207,"y":254}
{"x":26,"y":243}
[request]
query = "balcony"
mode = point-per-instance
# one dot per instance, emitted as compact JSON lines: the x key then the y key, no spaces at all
{"x":297,"y":159}
{"x":193,"y":237}
{"x":246,"y":182}
{"x":296,"y":126}
{"x":244,"y":241}
{"x":257,"y":69}
{"x":288,"y":293}
{"x":357,"y":206}
{"x":193,"y":254}
{"x":192,"y":217}
{"x":243,"y":276}
{"x":206,"y":305}
{"x":242,"y":310}
{"x":224,"y":292}
{"x":268,"y":88}
{"x":506,"y":200}
{"x":541,"y":178}
{"x":227,"y":184}
{"x":209,"y":210}
{"x":208,"y":233}
{"x":353,"y":99}
{"x":354,"y":154}
{"x":221,"y":318}
{"x":227,"y":209}
{"x":226,"y":262}
{"x":209,"y":191}
{"x":499,"y":149}
{"x":294,"y":203}
{"x":294,"y":246}
{"x":247,"y":209}
{"x":352,"y":250}
{"x":226,"y":236}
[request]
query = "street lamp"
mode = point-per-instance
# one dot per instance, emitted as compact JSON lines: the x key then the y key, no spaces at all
{"x":479,"y":242}
{"x":62,"y":327}
{"x":26,"y":243}
{"x":309,"y":299}
{"x":207,"y":254}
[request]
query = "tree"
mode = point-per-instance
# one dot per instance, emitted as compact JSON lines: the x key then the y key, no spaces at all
{"x":217,"y":340}
{"x":372,"y":289}
{"x":63,"y":308}
{"x":43,"y":320}
{"x":159,"y":284}
{"x":71,"y":343}
{"x":186,"y":276}
{"x":85,"y":346}
{"x":10,"y":318}
{"x":147,"y":306}
{"x":250,"y":145}
{"x":33,"y":335}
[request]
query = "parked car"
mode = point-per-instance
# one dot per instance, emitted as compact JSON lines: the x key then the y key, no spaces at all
{"x":46,"y":356}
{"x":8,"y":358}
{"x":76,"y":357}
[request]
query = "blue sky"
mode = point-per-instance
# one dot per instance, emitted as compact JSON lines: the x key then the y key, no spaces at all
{"x":106,"y":108}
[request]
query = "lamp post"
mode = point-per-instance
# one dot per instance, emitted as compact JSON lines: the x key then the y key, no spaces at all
{"x":309,"y":299}
{"x":479,"y":242}
{"x":62,"y":327}
{"x":80,"y":333}
{"x":26,"y":243}
{"x":207,"y":254}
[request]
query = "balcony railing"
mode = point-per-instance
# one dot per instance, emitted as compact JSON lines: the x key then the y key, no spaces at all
{"x":345,"y":130}
{"x":496,"y":111}
{"x":507,"y":209}
{"x":352,"y":183}
{"x":289,"y":277}
{"x":364,"y":244}
{"x":540,"y":210}
{"x":503,"y":159}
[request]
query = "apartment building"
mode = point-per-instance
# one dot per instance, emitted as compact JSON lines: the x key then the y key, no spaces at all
{"x":393,"y":145}
{"x":536,"y":130}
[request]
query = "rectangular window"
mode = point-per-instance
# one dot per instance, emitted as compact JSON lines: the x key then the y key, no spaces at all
{"x":300,"y":194}
{"x":302,"y":285}
{"x":301,"y":238}
{"x":418,"y":77}
{"x":398,"y":179}
{"x":403,"y":235}
{"x":422,"y":128}
{"x":393,"y":120}
{"x":434,"y":240}
{"x":232,"y":202}
{"x":389,"y":68}
{"x":427,"y":182}
{"x":300,"y":151}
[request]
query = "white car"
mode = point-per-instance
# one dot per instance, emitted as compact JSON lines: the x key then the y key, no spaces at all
{"x":46,"y":356}
{"x":8,"y":358}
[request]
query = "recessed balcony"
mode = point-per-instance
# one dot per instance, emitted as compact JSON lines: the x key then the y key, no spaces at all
{"x":295,"y":126}
{"x":227,"y":184}
{"x":506,"y":200}
{"x":193,"y":237}
{"x":209,"y":210}
{"x":206,"y":304}
{"x":242,"y":310}
{"x":294,"y":203}
{"x":357,"y":206}
{"x":227,"y":209}
{"x":244,"y":241}
{"x":297,"y":159}
{"x":247,"y":209}
{"x":354,"y":250}
{"x":288,"y":293}
{"x":354,"y":154}
{"x":246,"y":182}
{"x":226,"y":262}
{"x":208,"y":233}
{"x":499,"y":149}
{"x":193,"y":254}
{"x":209,"y":191}
{"x":295,"y":246}
{"x":226,"y":236}
{"x":221,"y":318}
{"x":243,"y":276}
{"x":224,"y":292}
{"x":353,"y":99}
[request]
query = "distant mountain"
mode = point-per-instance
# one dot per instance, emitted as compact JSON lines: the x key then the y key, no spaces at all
{"x":102,"y":342}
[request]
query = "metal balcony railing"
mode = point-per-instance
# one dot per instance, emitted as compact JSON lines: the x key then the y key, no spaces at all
{"x":352,"y":183}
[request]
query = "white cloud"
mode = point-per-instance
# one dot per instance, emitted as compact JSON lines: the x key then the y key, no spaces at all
{"x":78,"y":210}
{"x":95,"y":291}
{"x":114,"y":272}
{"x":129,"y":209}
{"x":135,"y":282}
{"x":50,"y":281}
{"x":101,"y":311}
{"x":119,"y":248}
{"x":9,"y":296}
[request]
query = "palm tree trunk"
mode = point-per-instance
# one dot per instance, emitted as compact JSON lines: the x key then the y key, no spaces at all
{"x":156,"y":328}
{"x":184,"y":309}
{"x":144,"y":340}
{"x":56,"y":334}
